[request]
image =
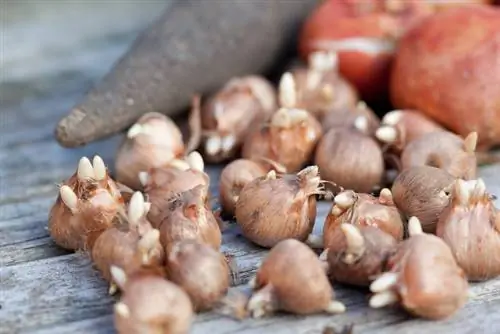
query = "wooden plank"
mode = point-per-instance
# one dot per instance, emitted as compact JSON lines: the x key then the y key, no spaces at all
{"x":65,"y":292}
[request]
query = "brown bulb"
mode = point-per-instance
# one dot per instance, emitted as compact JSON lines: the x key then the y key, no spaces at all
{"x":292,"y":279}
{"x":469,"y":225}
{"x":360,"y":117}
{"x":400,"y":127}
{"x":150,"y":304}
{"x":350,"y":159}
{"x":237,"y":174}
{"x":320,"y":88}
{"x":422,"y":276}
{"x":291,"y":135}
{"x":160,"y":184}
{"x":422,"y":192}
{"x":227,"y":117}
{"x":357,"y":254}
{"x":364,"y":210}
{"x":443,"y":150}
{"x":273,"y":208}
{"x":199,"y":270}
{"x":153,"y":141}
{"x":187,"y":217}
{"x":134,"y":247}
{"x":88,"y":203}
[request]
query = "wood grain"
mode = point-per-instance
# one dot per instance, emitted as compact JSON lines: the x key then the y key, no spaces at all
{"x":44,"y":289}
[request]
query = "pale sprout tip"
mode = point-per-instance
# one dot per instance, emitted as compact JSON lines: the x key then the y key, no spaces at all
{"x":385,"y":282}
{"x":134,"y":131}
{"x":136,"y":207}
{"x":85,"y":170}
{"x":195,"y":160}
{"x":383,"y":299}
{"x":287,"y":94}
{"x":386,"y":134}
{"x":213,"y":145}
{"x":143,"y":178}
{"x":122,"y":310}
{"x":414,"y":226}
{"x":392,"y":117}
{"x":227,"y":143}
{"x":470,"y":142}
{"x":68,"y":197}
{"x":335,"y":307}
{"x":99,"y":168}
{"x":119,"y":276}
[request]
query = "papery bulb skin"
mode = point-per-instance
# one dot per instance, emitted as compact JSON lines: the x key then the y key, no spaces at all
{"x":423,"y":277}
{"x":357,"y":255}
{"x":364,"y":210}
{"x":350,"y":159}
{"x":470,"y":227}
{"x":360,"y":117}
{"x":160,"y":184}
{"x":146,"y":307}
{"x":290,"y":136}
{"x":88,"y":203}
{"x":201,"y":271}
{"x":188,"y":217}
{"x":133,"y":246}
{"x":422,"y":192}
{"x":320,"y":89}
{"x":443,"y":150}
{"x":228,"y":116}
{"x":153,"y":141}
{"x":274,"y":208}
{"x":293,"y":279}
{"x":289,"y":139}
{"x":237,"y":174}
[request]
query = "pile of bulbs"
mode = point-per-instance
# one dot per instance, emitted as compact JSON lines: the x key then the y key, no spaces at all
{"x":153,"y":235}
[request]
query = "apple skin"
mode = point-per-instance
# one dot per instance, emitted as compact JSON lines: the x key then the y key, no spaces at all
{"x":449,"y":68}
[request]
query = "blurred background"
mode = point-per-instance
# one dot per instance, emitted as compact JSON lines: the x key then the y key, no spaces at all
{"x":52,"y":51}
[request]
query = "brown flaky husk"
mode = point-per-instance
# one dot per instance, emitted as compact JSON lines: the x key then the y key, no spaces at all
{"x":274,"y":208}
{"x":291,"y":145}
{"x":292,"y":278}
{"x":471,"y":228}
{"x":422,"y":192}
{"x":368,"y":265}
{"x":444,"y":150}
{"x":234,"y":177}
{"x":430,"y":284}
{"x":120,"y":246}
{"x":227,"y":117}
{"x":350,"y":159}
{"x":152,"y":304}
{"x":167,"y":181}
{"x":330,"y":94}
{"x":199,"y":270}
{"x":99,"y":206}
{"x":155,"y":143}
{"x":366,"y":210}
{"x":152,"y":74}
{"x":188,"y":217}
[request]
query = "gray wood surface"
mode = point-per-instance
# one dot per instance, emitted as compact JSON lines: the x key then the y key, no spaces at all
{"x":44,"y":289}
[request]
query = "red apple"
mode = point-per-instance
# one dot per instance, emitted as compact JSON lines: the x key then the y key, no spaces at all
{"x":448,"y":67}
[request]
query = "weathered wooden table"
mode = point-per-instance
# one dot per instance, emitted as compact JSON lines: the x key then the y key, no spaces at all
{"x":51,"y":53}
